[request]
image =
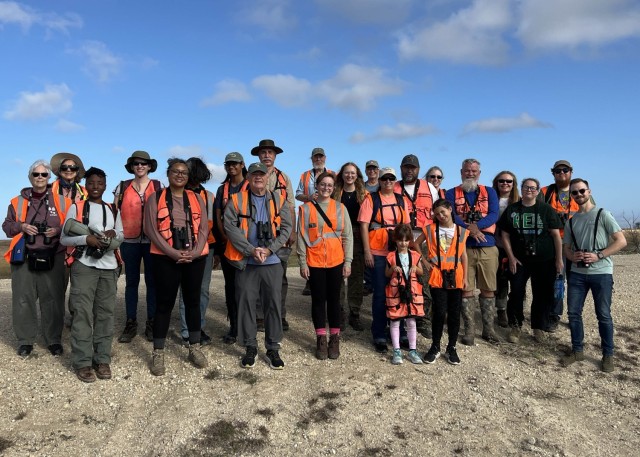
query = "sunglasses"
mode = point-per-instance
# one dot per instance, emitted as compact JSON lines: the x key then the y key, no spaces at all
{"x":69,"y":168}
{"x":579,"y":191}
{"x":505,"y":181}
{"x":44,"y":174}
{"x":387,"y":178}
{"x":435,"y":176}
{"x":140,"y":164}
{"x":557,"y":171}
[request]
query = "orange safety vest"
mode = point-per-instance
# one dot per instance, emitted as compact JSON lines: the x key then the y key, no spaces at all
{"x":225,"y":191}
{"x":324,"y":243}
{"x":241,"y":202}
{"x":131,"y":207}
{"x":20,"y":206}
{"x":306,"y":180}
{"x":442,"y":193}
{"x":281,"y":184}
{"x":397,"y":308}
{"x":209,"y":199}
{"x":378,"y":227}
{"x":419,"y":204}
{"x":69,"y":257}
{"x":63,"y":204}
{"x":448,"y":258}
{"x":550,"y":194}
{"x":481,"y":204}
{"x":164,"y":220}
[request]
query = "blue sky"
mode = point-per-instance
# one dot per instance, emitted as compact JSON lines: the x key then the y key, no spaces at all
{"x":515,"y":84}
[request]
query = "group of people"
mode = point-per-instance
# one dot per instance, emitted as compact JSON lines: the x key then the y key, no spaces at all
{"x":422,"y":250}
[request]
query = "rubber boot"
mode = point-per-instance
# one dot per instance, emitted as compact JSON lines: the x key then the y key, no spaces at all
{"x":487,"y":308}
{"x":468,"y":310}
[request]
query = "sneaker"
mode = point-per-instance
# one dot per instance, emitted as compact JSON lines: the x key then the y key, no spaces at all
{"x":85,"y":374}
{"x":432,"y":355}
{"x":25,"y":350}
{"x":307,"y":289}
{"x":381,"y":346}
{"x":103,"y":370}
{"x":275,"y":361}
{"x":354,"y":322}
{"x":260,"y":325}
{"x":607,"y":363}
{"x":514,"y":335}
{"x":157,"y":362}
{"x":452,"y":356}
{"x":196,"y":357}
{"x":396,"y":359}
{"x":414,"y":357}
{"x":204,"y":338}
{"x":148,"y":330}
{"x":228,"y":339}
{"x":56,"y":350}
{"x":285,"y":325}
{"x":334,"y":346}
{"x":249,"y":359}
{"x":129,"y":332}
{"x":572,"y":357}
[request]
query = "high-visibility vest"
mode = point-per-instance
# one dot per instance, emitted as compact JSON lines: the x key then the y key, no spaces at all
{"x":481,"y":204}
{"x":69,"y":258}
{"x":20,"y":206}
{"x":164,"y":220}
{"x":396,"y":307}
{"x":208,"y":198}
{"x":306,"y":178}
{"x":448,"y":258}
{"x":281,"y":184}
{"x":324,"y":243}
{"x":62,"y":203}
{"x":225,"y":191}
{"x":379,"y":228}
{"x":241,"y":202}
{"x":551,"y":197}
{"x":131,"y":206}
{"x":418,"y":205}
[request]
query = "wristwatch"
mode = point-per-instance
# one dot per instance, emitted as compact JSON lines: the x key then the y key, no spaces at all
{"x":600,"y":255}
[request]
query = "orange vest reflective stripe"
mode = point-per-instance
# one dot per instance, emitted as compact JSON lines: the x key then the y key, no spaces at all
{"x":20,"y":206}
{"x":241,"y":202}
{"x":164,"y":220}
{"x":396,"y":308}
{"x":419,"y":204}
{"x":448,"y":258}
{"x":62,"y":203}
{"x":553,"y":200}
{"x":324,"y":244}
{"x":379,"y":228}
{"x":225,"y":191}
{"x":132,"y":208}
{"x":481,"y":204}
{"x":306,"y":180}
{"x":208,"y":199}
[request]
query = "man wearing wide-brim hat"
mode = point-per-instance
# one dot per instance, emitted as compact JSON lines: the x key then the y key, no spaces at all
{"x":277,"y":181}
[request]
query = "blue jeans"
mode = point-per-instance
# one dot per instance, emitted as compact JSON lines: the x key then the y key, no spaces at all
{"x":601,"y":286}
{"x":132,"y":255}
{"x":204,"y":297}
{"x":378,"y":302}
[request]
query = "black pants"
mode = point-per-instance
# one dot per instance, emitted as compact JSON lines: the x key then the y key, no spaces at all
{"x":543,"y":275}
{"x":325,"y":296}
{"x":229,"y":272}
{"x":446,"y":302}
{"x":169,"y":276}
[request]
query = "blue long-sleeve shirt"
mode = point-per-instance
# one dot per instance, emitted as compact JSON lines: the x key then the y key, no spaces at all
{"x":490,"y":219}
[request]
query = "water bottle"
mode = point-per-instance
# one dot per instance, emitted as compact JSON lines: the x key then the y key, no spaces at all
{"x":558,"y":288}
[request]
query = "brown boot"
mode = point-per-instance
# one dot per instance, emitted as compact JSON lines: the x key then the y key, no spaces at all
{"x":321,"y":347}
{"x":487,"y":309}
{"x":334,"y":346}
{"x":467,"y":316}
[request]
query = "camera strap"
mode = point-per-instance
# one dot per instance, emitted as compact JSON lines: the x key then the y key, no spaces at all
{"x":595,"y":231}
{"x":44,"y":200}
{"x":85,"y":214}
{"x":324,"y":216}
{"x":457,"y":241}
{"x":187,"y":211}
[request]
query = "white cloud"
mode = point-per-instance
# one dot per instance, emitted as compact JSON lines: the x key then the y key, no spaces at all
{"x":218,"y":173}
{"x":54,"y":100}
{"x":272,"y":16}
{"x":102,"y":65}
{"x":549,"y":24}
{"x":66,"y":126}
{"x":25,"y":16}
{"x":400,"y":131}
{"x":356,"y":87}
{"x":184,"y":152}
{"x":470,"y":35}
{"x":228,"y":90}
{"x":285,"y":90}
{"x":369,"y":11}
{"x":505,"y":124}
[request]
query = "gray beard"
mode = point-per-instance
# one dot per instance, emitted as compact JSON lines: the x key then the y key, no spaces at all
{"x":469,"y":185}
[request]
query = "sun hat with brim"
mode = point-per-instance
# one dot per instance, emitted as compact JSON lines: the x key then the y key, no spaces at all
{"x":265,"y":144}
{"x":387,"y":171}
{"x":142,"y":155}
{"x":257,"y":167}
{"x":60,"y":157}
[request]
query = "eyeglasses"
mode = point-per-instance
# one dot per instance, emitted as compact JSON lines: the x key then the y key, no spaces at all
{"x":386,"y":178}
{"x":529,"y":188}
{"x":179,"y":172}
{"x":44,"y":174}
{"x":140,"y":164}
{"x":505,"y":181}
{"x":435,"y":176}
{"x":557,"y":171}
{"x":69,"y":168}
{"x":579,"y":191}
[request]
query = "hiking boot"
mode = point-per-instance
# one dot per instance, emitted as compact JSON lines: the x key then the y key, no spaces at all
{"x":196,"y":357}
{"x":103,"y":370}
{"x":432,"y":355}
{"x":307,"y":289}
{"x":334,"y":346}
{"x":285,"y":325}
{"x":468,"y":319}
{"x":204,"y":338}
{"x":321,"y":347}
{"x":56,"y":350}
{"x":229,"y":339}
{"x":129,"y":332}
{"x":514,"y":335}
{"x":414,"y":357}
{"x":539,"y":336}
{"x":85,"y":374}
{"x":260,"y":325}
{"x":25,"y":350}
{"x":503,"y":321}
{"x":423,"y":326}
{"x":606,"y":364}
{"x":354,"y":322}
{"x":553,"y":324}
{"x":148,"y":330}
{"x":157,"y":362}
{"x":396,"y":358}
{"x":381,"y":347}
{"x":275,"y":361}
{"x":487,"y":309}
{"x":572,"y":357}
{"x":452,"y":356}
{"x":249,"y":359}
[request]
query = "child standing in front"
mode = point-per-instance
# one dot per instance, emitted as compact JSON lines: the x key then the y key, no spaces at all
{"x":447,"y":261}
{"x":404,"y":293}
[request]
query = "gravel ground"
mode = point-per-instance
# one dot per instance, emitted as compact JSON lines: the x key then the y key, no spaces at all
{"x":502,"y":400}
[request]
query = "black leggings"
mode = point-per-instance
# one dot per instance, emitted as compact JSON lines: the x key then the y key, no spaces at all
{"x":446,"y":302}
{"x":229,"y":272}
{"x":325,"y":296}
